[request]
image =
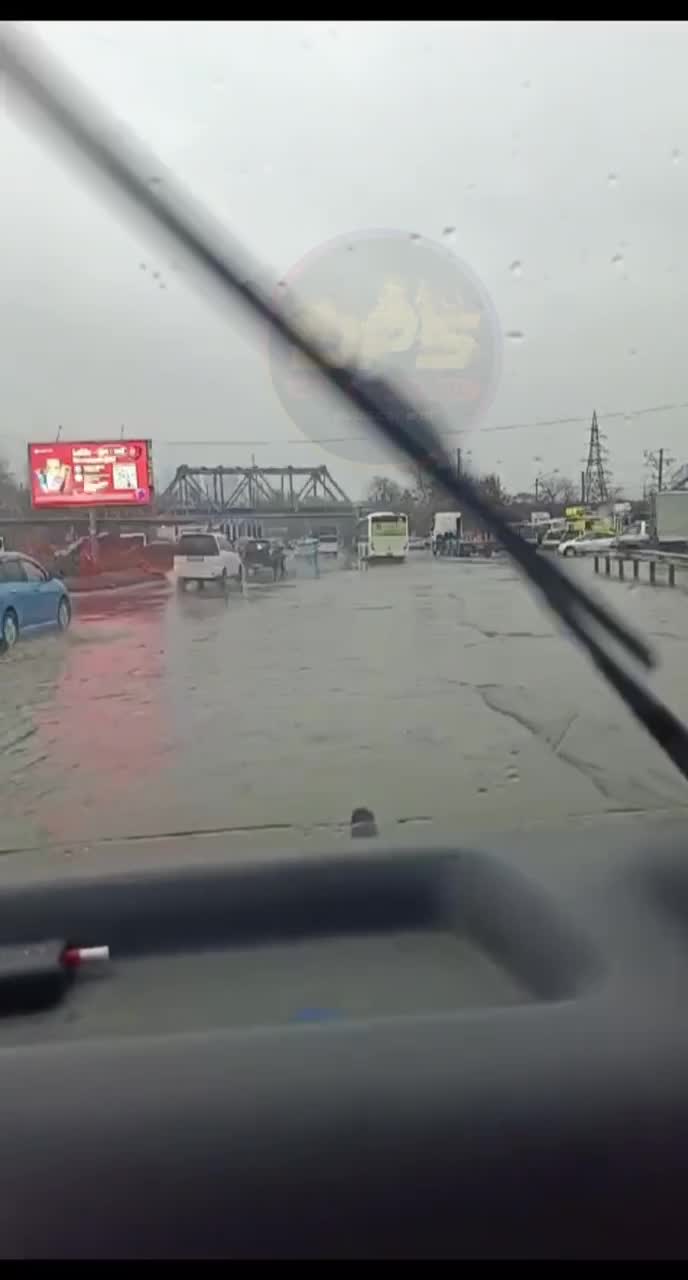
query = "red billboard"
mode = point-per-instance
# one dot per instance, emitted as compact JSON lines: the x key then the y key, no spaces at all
{"x":91,"y":473}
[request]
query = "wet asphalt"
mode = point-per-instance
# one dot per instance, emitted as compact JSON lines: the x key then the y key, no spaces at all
{"x":440,"y":694}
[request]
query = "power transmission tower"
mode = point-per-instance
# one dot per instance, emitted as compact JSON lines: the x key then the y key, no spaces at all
{"x":596,"y":485}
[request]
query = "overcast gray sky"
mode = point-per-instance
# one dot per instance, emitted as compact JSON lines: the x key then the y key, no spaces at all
{"x":561,"y":147}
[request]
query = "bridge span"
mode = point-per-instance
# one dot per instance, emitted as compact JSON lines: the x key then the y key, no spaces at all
{"x":288,"y":500}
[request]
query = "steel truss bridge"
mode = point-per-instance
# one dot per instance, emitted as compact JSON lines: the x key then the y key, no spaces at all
{"x":217,"y":493}
{"x":241,"y":497}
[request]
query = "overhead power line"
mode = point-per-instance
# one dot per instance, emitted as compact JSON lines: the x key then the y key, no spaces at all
{"x":281,"y":441}
{"x":536,"y":424}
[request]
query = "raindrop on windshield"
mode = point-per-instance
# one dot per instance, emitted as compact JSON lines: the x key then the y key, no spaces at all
{"x":612,"y":179}
{"x":618,"y":260}
{"x":414,"y":235}
{"x":449,"y":233}
{"x":676,"y":155}
{"x":516,"y":268}
{"x":515,"y":335}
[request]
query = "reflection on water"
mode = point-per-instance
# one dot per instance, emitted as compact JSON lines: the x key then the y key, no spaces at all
{"x":103,"y":726}
{"x":430,"y":692}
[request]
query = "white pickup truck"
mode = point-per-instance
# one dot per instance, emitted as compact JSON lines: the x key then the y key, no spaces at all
{"x":206,"y":557}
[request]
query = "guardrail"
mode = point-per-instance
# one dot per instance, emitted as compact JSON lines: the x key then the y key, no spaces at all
{"x":671,"y":561}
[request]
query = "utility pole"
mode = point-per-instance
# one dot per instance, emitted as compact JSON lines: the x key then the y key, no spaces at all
{"x":657,"y":463}
{"x":458,"y":463}
{"x":537,"y":488}
{"x":582,"y":488}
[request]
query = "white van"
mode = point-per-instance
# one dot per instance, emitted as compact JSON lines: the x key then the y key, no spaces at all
{"x":206,"y":557}
{"x":328,"y":540}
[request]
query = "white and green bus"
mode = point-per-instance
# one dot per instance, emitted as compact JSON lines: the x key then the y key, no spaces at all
{"x":383,"y":535}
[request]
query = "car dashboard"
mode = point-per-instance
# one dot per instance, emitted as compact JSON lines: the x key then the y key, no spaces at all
{"x":472,"y":1052}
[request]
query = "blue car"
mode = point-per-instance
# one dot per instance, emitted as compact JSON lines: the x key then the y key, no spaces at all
{"x":30,"y":600}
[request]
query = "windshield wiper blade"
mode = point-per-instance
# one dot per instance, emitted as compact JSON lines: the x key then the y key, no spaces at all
{"x":83,"y":123}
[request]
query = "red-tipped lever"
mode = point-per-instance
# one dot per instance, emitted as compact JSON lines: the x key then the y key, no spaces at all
{"x":74,"y":957}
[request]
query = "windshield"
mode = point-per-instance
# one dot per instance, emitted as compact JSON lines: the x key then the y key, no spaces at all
{"x":490,"y":214}
{"x":388,"y":525}
{"x":197,"y":544}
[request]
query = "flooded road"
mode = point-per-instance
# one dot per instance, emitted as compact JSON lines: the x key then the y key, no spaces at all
{"x":438,"y":693}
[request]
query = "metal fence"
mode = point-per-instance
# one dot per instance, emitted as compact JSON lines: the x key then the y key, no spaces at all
{"x":662,"y":567}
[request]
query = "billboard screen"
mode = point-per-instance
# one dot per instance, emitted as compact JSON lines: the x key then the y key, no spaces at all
{"x":91,"y":473}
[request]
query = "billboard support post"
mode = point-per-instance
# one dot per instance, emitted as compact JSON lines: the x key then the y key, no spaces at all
{"x":93,"y":533}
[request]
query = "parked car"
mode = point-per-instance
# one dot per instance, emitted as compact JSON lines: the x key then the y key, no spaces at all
{"x":550,"y":541}
{"x":527,"y":531}
{"x":636,"y":535}
{"x":31,"y":599}
{"x":587,"y":544}
{"x":206,"y":557}
{"x":262,"y":553}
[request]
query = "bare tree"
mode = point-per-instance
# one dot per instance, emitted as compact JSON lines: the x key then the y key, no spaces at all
{"x":423,"y":496}
{"x":384,"y":492}
{"x":491,"y":487}
{"x":13,"y":498}
{"x":421,"y":485}
{"x":657,"y":464}
{"x":555,"y":488}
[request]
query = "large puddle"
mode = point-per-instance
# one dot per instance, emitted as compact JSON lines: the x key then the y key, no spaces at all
{"x":439,"y":694}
